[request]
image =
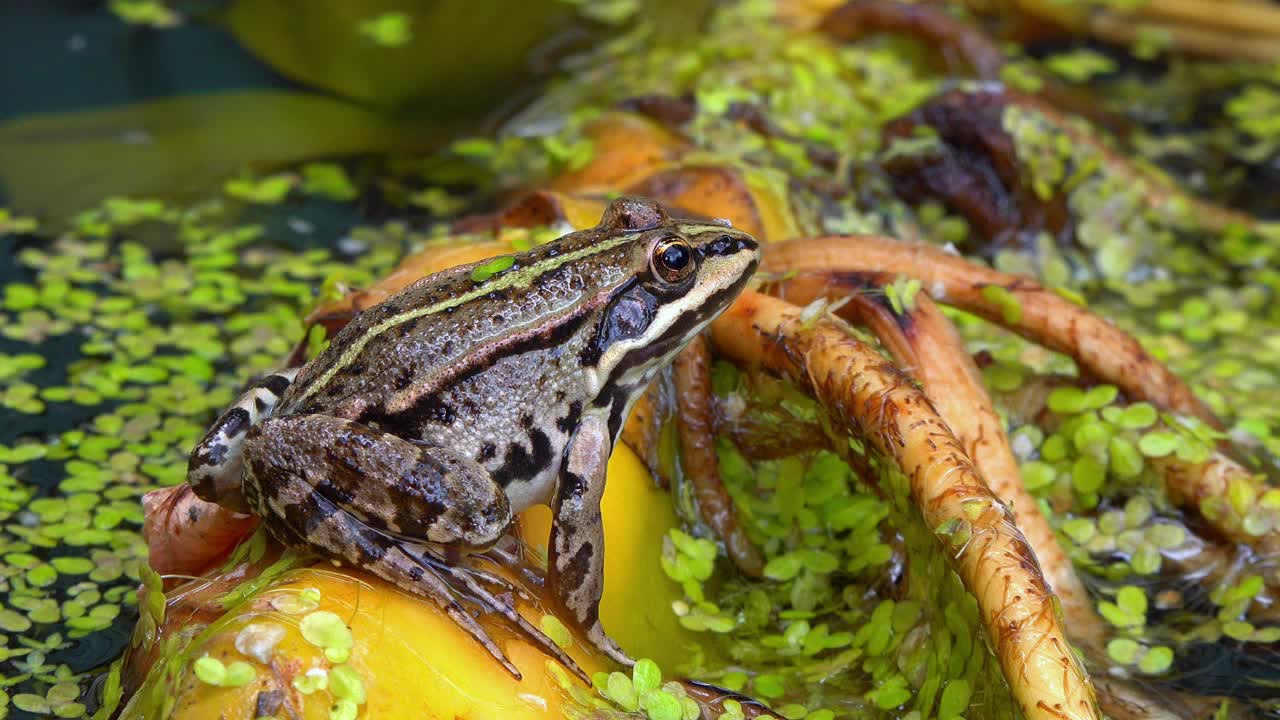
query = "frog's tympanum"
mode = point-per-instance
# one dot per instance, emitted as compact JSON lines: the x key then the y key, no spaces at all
{"x":471,"y":395}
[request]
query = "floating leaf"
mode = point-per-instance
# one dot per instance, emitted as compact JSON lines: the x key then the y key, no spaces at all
{"x":484,"y":271}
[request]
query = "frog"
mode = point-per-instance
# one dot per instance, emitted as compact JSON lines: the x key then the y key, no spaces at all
{"x":435,"y":416}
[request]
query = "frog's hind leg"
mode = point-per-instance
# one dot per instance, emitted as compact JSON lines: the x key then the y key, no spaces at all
{"x":305,"y":519}
{"x":377,"y":501}
{"x":214,"y":468}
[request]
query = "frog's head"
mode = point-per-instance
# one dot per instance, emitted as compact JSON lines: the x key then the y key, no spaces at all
{"x":683,"y":273}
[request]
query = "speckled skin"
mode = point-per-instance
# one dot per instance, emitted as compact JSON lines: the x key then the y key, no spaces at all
{"x":434,"y":416}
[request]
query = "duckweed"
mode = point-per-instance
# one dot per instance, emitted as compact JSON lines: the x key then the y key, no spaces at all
{"x":556,"y":630}
{"x":389,"y":30}
{"x":644,"y":691}
{"x":493,"y":267}
{"x":326,"y":630}
{"x":156,"y":362}
{"x":211,"y":671}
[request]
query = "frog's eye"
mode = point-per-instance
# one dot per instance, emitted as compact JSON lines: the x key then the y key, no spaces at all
{"x":672,"y":259}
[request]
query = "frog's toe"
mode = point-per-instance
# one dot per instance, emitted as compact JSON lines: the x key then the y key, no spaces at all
{"x":214,"y":468}
{"x":467,"y":576}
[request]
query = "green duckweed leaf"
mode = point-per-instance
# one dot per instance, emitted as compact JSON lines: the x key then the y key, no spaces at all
{"x":326,"y":630}
{"x":486,"y":270}
{"x":345,"y":683}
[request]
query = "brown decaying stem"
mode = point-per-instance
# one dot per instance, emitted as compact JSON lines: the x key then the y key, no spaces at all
{"x":927,"y":346}
{"x":1163,"y":194}
{"x":957,"y":39}
{"x":1225,"y":45}
{"x":862,"y":390}
{"x":642,"y":432}
{"x":698,"y":452}
{"x":1192,"y":485}
{"x":1239,"y":30}
{"x":1046,"y":318}
{"x":1099,"y":347}
{"x":712,"y":700}
{"x":1189,"y":484}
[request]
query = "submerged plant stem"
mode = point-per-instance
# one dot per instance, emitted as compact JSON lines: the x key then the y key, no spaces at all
{"x":877,"y":402}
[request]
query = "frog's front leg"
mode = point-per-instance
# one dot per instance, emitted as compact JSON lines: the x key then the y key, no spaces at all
{"x":214,"y":469}
{"x":379,"y":502}
{"x":576,"y":549}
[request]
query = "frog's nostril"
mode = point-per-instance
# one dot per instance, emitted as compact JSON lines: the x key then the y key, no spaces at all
{"x":729,"y":245}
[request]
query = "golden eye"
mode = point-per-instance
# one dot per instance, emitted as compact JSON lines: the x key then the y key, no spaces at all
{"x":672,"y":259}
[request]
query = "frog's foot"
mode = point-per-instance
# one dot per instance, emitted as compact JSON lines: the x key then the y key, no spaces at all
{"x":467,"y":576}
{"x":494,"y":580}
{"x":215,"y":467}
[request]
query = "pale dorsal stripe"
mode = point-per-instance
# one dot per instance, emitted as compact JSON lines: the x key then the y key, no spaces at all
{"x":519,"y":278}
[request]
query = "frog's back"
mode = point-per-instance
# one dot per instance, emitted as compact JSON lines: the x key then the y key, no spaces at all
{"x":456,"y":323}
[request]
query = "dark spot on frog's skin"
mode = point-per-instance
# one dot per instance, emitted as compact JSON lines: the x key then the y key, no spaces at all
{"x":307,"y":520}
{"x":488,"y":451}
{"x":305,"y":517}
{"x":567,"y":423}
{"x":214,"y":454}
{"x":526,"y":422}
{"x":570,"y":488}
{"x":560,"y":396}
{"x":260,"y":405}
{"x":573,"y":573}
{"x":403,"y":379}
{"x":415,"y":573}
{"x":521,"y":464}
{"x":277,"y":384}
{"x":616,"y":411}
{"x":334,"y":492}
{"x":193,"y":513}
{"x":234,"y":422}
{"x":725,"y":245}
{"x":498,"y":319}
{"x":484,"y":520}
{"x":616,"y":402}
{"x":430,"y":408}
{"x":370,"y":546}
